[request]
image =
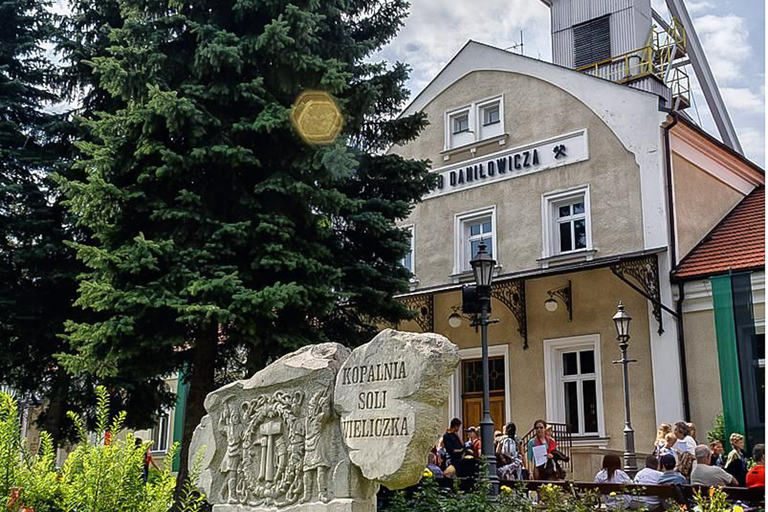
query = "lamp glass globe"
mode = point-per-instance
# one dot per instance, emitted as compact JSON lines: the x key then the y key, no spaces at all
{"x":550,"y":305}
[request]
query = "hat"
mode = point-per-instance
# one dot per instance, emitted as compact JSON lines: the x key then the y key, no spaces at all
{"x":472,"y":429}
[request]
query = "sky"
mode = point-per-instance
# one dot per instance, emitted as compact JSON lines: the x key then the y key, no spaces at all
{"x":732,"y":33}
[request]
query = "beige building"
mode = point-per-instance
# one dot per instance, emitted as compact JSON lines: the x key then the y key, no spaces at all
{"x":587,"y":193}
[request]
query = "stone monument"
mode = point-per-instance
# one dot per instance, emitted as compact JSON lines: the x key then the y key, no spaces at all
{"x":319,"y":429}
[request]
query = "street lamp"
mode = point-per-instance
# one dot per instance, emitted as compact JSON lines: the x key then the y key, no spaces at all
{"x":482,"y":266}
{"x":622,"y":321}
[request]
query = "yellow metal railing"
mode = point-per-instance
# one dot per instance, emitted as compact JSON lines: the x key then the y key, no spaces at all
{"x":680,"y":86}
{"x":628,"y":66}
{"x":664,"y":46}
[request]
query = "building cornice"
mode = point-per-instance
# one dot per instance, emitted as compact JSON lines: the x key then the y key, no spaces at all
{"x":543,"y":272}
{"x":720,"y":162}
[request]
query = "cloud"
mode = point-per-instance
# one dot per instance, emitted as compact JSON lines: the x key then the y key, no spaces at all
{"x":435,"y":30}
{"x":753,"y":142}
{"x":697,"y":7}
{"x":743,"y":99}
{"x":726,"y":44}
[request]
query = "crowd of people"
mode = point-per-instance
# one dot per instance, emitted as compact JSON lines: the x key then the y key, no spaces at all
{"x":683,"y":460}
{"x":451,"y":457}
{"x":676,"y":458}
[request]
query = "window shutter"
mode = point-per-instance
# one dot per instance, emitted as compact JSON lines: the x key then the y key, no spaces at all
{"x":592,"y":41}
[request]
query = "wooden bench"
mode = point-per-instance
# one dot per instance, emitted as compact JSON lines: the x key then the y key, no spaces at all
{"x":669,"y":492}
{"x":676,"y":493}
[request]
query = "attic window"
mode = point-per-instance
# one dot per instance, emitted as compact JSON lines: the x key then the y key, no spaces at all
{"x":461,"y":123}
{"x":592,"y":42}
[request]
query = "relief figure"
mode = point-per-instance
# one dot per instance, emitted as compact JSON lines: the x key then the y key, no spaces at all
{"x":317,"y":461}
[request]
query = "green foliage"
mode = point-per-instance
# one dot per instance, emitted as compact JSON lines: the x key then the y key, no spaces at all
{"x":101,"y":474}
{"x":430,"y":497}
{"x":717,"y":432}
{"x":215,"y":228}
{"x":37,"y":270}
{"x":10,"y":443}
{"x":715,"y":500}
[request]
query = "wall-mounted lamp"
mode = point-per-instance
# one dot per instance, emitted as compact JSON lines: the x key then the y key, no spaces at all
{"x":468,"y":309}
{"x":564,"y":294}
{"x":454,"y":320}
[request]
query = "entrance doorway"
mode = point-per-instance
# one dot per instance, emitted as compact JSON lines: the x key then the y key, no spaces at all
{"x":472,"y":392}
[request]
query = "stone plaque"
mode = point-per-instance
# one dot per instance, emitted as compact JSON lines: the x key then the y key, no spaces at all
{"x":320,"y":428}
{"x":390,"y":394}
{"x":273,"y":441}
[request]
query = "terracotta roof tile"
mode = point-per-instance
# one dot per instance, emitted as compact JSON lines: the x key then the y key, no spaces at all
{"x":736,"y":243}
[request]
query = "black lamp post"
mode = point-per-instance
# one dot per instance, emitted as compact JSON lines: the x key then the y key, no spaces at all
{"x":482,"y":266}
{"x":622,"y":320}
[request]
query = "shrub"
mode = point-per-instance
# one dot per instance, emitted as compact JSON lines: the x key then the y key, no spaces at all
{"x":713,"y":501}
{"x":717,"y":432}
{"x":102,"y":474}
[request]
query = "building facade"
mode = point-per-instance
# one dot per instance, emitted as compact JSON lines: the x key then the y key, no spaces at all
{"x":565,"y":176}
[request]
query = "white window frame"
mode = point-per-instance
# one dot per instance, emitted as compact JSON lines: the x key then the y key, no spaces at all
{"x":461,"y":240}
{"x":168,"y":434}
{"x":449,"y":117}
{"x":455,"y":409}
{"x":481,"y":113}
{"x":549,"y":220}
{"x":553,"y":370}
{"x":475,"y":112}
{"x":412,"y":229}
{"x":455,"y":117}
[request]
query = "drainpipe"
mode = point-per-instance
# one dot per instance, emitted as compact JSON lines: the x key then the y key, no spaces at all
{"x":673,"y":264}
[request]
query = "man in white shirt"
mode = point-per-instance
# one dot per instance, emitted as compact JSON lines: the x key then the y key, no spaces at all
{"x":649,"y":475}
{"x":710,"y":476}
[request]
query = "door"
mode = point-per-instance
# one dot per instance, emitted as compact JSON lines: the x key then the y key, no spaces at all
{"x":472,"y":392}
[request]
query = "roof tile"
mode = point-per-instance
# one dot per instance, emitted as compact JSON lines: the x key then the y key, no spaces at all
{"x":736,"y":243}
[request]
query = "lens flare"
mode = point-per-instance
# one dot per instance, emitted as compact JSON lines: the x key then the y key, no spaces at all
{"x":316,"y":117}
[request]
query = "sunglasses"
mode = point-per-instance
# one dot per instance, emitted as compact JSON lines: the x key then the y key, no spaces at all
{"x":539,"y":428}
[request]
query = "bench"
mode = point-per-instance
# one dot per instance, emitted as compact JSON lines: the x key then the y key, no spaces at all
{"x":661,"y":491}
{"x":672,"y":493}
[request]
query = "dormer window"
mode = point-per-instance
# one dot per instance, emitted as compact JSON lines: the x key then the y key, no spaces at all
{"x":474,"y":122}
{"x":491,"y":115}
{"x":461,"y":123}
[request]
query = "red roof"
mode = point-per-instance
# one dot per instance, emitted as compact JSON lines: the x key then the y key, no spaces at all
{"x":736,"y":243}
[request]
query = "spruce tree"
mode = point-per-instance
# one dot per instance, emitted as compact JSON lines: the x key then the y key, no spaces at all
{"x":214,"y":226}
{"x":37,"y":271}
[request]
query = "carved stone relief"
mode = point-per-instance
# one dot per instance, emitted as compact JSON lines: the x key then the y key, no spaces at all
{"x":275,"y":441}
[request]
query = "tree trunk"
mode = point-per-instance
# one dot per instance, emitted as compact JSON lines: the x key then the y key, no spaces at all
{"x":201,"y":382}
{"x":56,"y":408}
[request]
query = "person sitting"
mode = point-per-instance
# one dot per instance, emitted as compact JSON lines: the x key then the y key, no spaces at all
{"x":433,"y":467}
{"x":710,"y":476}
{"x":736,"y":464}
{"x":670,"y":476}
{"x":509,"y":455}
{"x":611,"y":474}
{"x":649,"y":475}
{"x":756,"y":475}
{"x":718,"y":458}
